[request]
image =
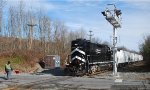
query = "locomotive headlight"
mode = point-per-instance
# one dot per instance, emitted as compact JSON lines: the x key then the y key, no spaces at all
{"x":76,"y":44}
{"x":81,"y":64}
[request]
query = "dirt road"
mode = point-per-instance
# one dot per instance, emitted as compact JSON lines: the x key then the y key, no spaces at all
{"x":56,"y":80}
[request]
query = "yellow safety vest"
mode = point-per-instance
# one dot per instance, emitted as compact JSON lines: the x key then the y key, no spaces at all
{"x":7,"y":66}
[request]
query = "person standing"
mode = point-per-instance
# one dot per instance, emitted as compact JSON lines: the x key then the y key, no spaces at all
{"x":8,"y":70}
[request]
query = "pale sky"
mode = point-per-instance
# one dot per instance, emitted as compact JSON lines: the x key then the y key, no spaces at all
{"x":87,"y":14}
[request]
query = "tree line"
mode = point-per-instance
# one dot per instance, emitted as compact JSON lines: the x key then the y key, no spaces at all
{"x":27,"y":29}
{"x":145,"y":49}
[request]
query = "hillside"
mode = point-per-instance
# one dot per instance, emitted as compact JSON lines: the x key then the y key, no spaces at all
{"x":23,"y":61}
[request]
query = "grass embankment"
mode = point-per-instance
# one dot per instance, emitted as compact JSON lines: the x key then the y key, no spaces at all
{"x":141,"y":66}
{"x":22,"y":61}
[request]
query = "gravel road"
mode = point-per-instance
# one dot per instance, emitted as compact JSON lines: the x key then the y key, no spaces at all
{"x":105,"y":81}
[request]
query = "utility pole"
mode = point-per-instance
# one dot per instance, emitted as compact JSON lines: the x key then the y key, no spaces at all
{"x":113,"y":17}
{"x":30,"y":35}
{"x":90,"y":35}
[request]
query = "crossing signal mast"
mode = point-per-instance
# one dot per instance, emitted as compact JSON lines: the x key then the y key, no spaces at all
{"x":113,"y":16}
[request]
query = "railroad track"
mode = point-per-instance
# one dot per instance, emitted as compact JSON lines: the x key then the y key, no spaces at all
{"x":96,"y":73}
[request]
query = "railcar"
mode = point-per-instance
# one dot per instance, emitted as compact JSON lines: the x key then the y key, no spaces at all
{"x":88,"y":57}
{"x":127,"y":57}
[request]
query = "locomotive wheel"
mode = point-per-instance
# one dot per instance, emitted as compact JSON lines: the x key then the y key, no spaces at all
{"x":90,"y":71}
{"x":98,"y":68}
{"x":93,"y":69}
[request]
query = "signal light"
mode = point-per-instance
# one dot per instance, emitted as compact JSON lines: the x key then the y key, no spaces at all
{"x":118,"y":12}
{"x":104,"y":13}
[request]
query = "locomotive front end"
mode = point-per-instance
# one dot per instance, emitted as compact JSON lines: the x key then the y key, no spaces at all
{"x":77,"y":64}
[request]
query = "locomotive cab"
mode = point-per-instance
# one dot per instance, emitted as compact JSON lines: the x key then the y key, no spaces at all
{"x":87,"y":56}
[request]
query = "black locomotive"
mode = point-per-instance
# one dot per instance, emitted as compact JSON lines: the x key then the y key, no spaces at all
{"x":88,"y":57}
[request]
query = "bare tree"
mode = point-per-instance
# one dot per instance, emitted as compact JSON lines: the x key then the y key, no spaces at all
{"x":97,"y":40}
{"x":81,"y":33}
{"x":56,"y":27}
{"x":20,"y":22}
{"x":145,"y":49}
{"x":2,"y":4}
{"x":12,"y":25}
{"x":44,"y":26}
{"x":49,"y":35}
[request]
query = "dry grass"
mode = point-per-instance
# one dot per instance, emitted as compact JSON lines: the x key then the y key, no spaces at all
{"x":136,"y":67}
{"x":20,"y":60}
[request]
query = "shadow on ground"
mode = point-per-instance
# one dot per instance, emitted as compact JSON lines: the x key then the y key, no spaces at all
{"x":4,"y":78}
{"x":56,"y":72}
